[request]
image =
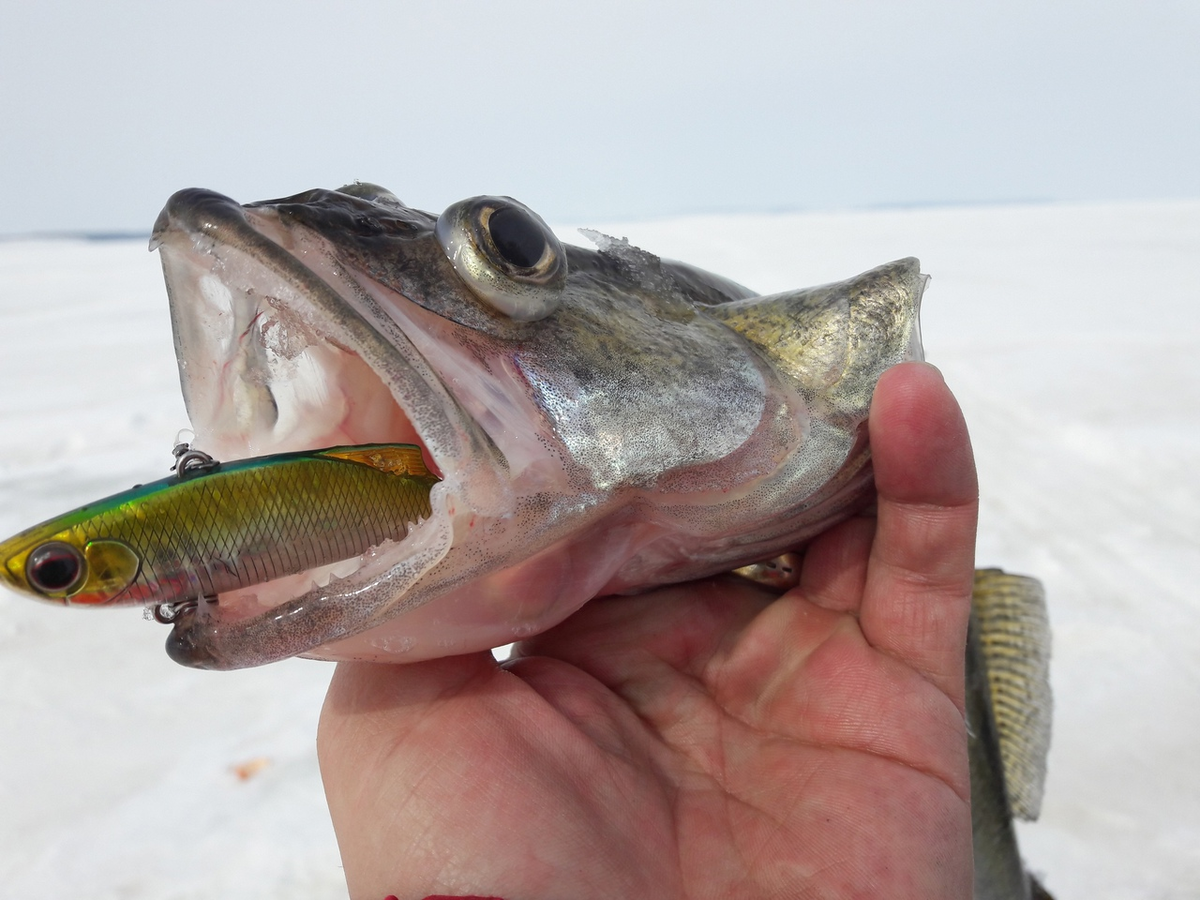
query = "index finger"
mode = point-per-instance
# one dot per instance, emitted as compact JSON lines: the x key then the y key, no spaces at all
{"x":918,"y":590}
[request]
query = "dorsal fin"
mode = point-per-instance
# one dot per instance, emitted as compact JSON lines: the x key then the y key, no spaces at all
{"x":395,"y":459}
{"x":1014,"y":633}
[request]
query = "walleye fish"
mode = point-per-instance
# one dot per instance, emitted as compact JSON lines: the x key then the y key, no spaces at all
{"x":602,"y":421}
{"x":216,"y":527}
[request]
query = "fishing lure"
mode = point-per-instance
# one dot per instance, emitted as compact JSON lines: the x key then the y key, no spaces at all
{"x":214,"y":527}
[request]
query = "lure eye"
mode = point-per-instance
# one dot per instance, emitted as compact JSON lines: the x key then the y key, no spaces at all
{"x":55,"y":568}
{"x":505,"y":254}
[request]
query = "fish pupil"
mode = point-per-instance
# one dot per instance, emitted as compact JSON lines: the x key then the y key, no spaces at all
{"x":54,"y":567}
{"x":517,"y":237}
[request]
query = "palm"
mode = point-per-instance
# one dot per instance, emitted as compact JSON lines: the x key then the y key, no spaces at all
{"x":706,"y":740}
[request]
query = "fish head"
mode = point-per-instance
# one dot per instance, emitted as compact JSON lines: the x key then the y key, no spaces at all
{"x":601,"y":420}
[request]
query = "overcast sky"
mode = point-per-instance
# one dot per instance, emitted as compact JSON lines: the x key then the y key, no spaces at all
{"x":595,"y":111}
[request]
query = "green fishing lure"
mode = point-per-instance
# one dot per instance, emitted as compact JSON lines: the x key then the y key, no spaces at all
{"x":216,"y":527}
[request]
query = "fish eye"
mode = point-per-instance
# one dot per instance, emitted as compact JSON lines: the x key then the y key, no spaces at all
{"x":517,"y":237}
{"x":55,"y":568}
{"x":505,"y":254}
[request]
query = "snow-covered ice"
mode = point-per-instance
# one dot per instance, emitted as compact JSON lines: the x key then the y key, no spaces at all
{"x":1071,"y":334}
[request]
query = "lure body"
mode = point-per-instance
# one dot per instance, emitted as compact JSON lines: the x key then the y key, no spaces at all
{"x":224,"y":527}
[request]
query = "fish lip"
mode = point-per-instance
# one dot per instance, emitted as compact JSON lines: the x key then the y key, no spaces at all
{"x":200,"y":210}
{"x":204,"y":221}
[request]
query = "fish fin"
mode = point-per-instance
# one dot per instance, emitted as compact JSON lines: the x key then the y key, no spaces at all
{"x":834,"y":341}
{"x":1014,"y":633}
{"x":394,"y":459}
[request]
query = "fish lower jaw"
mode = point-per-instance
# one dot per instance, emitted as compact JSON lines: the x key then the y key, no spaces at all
{"x":245,"y":603}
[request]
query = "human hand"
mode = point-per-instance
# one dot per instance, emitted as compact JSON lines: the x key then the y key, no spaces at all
{"x":706,"y":740}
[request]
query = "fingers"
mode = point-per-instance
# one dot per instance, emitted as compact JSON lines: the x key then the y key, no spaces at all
{"x":835,"y":565}
{"x":918,"y":587}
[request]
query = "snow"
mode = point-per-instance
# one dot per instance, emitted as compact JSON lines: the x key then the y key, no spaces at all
{"x":1069,"y":332}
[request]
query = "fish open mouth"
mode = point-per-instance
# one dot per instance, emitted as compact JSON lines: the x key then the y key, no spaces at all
{"x":276,"y":354}
{"x":272,"y":358}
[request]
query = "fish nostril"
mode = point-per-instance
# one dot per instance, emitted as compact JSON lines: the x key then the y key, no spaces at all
{"x":368,"y":225}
